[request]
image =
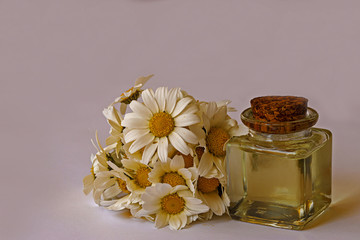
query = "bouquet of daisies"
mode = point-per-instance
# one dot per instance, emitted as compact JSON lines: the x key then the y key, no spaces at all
{"x":164,"y":157}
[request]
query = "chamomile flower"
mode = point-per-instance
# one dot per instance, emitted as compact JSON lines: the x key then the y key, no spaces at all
{"x":212,"y":192}
{"x":138,"y":175}
{"x":131,"y":94}
{"x":88,"y":180}
{"x":110,"y":184}
{"x":163,"y":117}
{"x":218,"y":129}
{"x":116,"y":131}
{"x":173,"y":206}
{"x":173,"y":172}
{"x":98,"y":164}
{"x":124,"y":198}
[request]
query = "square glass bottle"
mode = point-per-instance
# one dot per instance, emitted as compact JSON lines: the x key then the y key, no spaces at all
{"x":279,"y":174}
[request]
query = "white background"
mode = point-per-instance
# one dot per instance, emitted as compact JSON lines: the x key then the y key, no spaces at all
{"x":62,"y":62}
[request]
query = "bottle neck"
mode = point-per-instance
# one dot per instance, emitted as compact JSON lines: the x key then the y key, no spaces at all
{"x":279,"y":137}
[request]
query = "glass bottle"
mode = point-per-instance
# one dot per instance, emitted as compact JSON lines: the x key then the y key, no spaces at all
{"x":279,"y":174}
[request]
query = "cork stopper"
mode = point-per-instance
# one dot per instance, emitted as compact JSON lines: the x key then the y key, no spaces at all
{"x":279,"y":114}
{"x":279,"y":108}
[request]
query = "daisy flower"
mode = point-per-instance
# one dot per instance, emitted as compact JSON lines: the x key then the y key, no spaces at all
{"x":100,"y":167}
{"x":212,"y":192}
{"x":98,"y":164}
{"x":88,"y":180}
{"x":106,"y":186}
{"x":110,"y":184}
{"x":173,"y":206}
{"x":131,"y":94}
{"x":218,"y":129}
{"x":138,"y":175}
{"x":120,"y":189}
{"x":116,"y":131}
{"x":173,"y":172}
{"x":163,"y":117}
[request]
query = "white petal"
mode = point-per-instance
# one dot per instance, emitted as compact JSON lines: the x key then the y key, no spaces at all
{"x":123,"y":108}
{"x":107,"y":203}
{"x":140,"y":109}
{"x":183,"y":219}
{"x":198,"y":131}
{"x":187,"y":135}
{"x":215,"y":203}
{"x":161,"y":220}
{"x":211,"y":109}
{"x":185,"y":173}
{"x":171,"y":100}
{"x":115,"y":168}
{"x":149,"y":100}
{"x":108,"y":113}
{"x":150,"y":195}
{"x":206,"y":122}
{"x":219,"y":117}
{"x":160,"y":96}
{"x":131,"y":164}
{"x":88,"y":184}
{"x":112,"y":191}
{"x":157,"y":173}
{"x":120,"y":204}
{"x":186,"y":193}
{"x":206,"y":163}
{"x":223,"y":103}
{"x":219,"y":163}
{"x":163,"y":189}
{"x":135,"y":122}
{"x":178,"y":188}
{"x":151,"y":207}
{"x":142,"y":80}
{"x":238,"y":131}
{"x":166,"y":166}
{"x":141,"y":142}
{"x":97,"y":196}
{"x":135,"y":134}
{"x":177,"y":163}
{"x":132,"y":115}
{"x":185,"y":120}
{"x":174,"y":222}
{"x":179,"y":143}
{"x":194,"y":205}
{"x":181,"y":105}
{"x":88,"y":179}
{"x":149,"y":152}
{"x":193,"y":108}
{"x":163,"y":149}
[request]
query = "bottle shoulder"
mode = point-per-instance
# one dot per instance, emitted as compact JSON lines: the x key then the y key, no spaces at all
{"x":293,"y":147}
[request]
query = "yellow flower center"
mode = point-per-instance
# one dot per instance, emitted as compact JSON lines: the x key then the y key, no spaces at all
{"x":134,"y":96}
{"x":199,"y":152}
{"x":122,"y":185}
{"x":161,"y":124}
{"x":207,"y":185}
{"x":142,"y":177}
{"x":173,"y":178}
{"x":172,"y":204}
{"x":215,"y":141}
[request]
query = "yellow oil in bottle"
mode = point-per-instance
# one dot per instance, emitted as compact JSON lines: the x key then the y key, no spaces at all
{"x":281,"y":180}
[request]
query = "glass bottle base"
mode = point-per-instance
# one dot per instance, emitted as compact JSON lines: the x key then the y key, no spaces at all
{"x":277,"y":215}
